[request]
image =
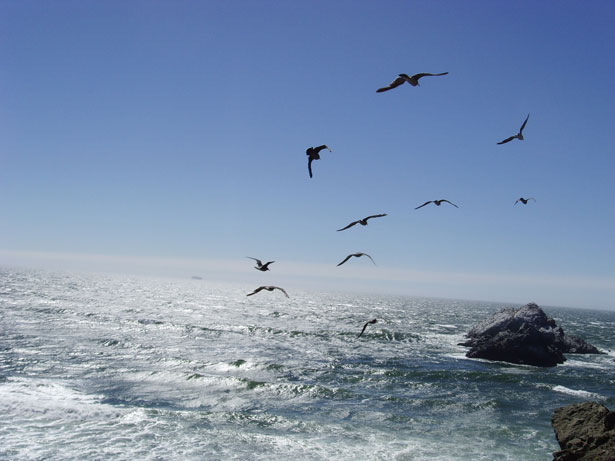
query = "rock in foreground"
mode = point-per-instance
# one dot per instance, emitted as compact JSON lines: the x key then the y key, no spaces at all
{"x":525,"y":336}
{"x":585,"y":431}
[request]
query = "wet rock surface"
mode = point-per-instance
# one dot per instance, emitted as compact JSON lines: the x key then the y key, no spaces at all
{"x":585,"y":431}
{"x":525,"y":336}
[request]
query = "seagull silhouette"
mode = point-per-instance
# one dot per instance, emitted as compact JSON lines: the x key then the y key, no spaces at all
{"x":401,"y":78}
{"x":313,"y":154}
{"x":363,"y":221}
{"x":268,"y":288}
{"x":437,"y":203}
{"x":357,"y":255}
{"x":524,"y":200}
{"x":519,"y":135}
{"x":365,"y":326}
{"x":259,"y":265}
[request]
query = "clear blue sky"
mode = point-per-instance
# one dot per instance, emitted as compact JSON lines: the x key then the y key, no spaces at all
{"x":176,"y":130}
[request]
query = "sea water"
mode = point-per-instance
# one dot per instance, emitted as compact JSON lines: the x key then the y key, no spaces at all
{"x":116,"y":367}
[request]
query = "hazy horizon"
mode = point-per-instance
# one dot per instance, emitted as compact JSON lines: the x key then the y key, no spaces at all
{"x":395,"y":281}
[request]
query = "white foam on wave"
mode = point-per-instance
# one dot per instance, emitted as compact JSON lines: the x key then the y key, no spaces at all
{"x":442,"y":340}
{"x":232,"y":367}
{"x":508,"y":367}
{"x":457,"y":356}
{"x":45,"y":419}
{"x":29,"y":398}
{"x":447,"y":326}
{"x":586,"y":364}
{"x":577,"y":392}
{"x":254,"y":385}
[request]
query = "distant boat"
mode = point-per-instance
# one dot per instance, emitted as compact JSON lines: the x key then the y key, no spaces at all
{"x":196,"y":277}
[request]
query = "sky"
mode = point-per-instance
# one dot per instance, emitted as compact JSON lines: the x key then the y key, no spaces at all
{"x":169,"y":137}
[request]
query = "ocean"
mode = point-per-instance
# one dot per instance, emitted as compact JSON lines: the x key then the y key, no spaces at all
{"x":125,"y":368}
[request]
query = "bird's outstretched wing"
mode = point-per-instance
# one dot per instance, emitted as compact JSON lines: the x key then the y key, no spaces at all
{"x":282,"y":290}
{"x":265,"y":266}
{"x":421,"y":206}
{"x":517,"y":201}
{"x":524,"y":123}
{"x":310,"y":166}
{"x":319,"y":148}
{"x":256,"y":291}
{"x":443,"y":200}
{"x":346,"y":259}
{"x":365,"y":254}
{"x":394,"y":84}
{"x":365,"y":326}
{"x":417,"y":76}
{"x":507,"y":140}
{"x":348,"y":226}
{"x":258,"y":261}
{"x":375,"y":216}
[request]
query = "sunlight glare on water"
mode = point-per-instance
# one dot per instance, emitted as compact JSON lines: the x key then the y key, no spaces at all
{"x":126,"y":367}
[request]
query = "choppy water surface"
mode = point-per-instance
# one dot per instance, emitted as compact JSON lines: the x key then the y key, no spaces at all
{"x":98,"y":367}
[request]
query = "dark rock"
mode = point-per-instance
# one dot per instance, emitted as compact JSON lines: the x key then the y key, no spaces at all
{"x":576,"y":345}
{"x":585,"y":431}
{"x":526,"y":336}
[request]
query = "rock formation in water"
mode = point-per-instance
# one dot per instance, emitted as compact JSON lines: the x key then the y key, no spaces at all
{"x":585,"y":431}
{"x":525,"y":336}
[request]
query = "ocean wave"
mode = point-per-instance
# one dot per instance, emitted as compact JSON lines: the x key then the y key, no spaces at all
{"x":578,"y":393}
{"x":26,"y":399}
{"x":124,"y":368}
{"x":594,"y":362}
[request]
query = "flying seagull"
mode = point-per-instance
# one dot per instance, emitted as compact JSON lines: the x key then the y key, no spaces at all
{"x":401,"y":78}
{"x":524,"y":200}
{"x":268,"y":288}
{"x":259,"y":264}
{"x":357,"y":255}
{"x":312,"y":153}
{"x":437,"y":203}
{"x":519,"y":135}
{"x":363,"y":221}
{"x":365,"y":326}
